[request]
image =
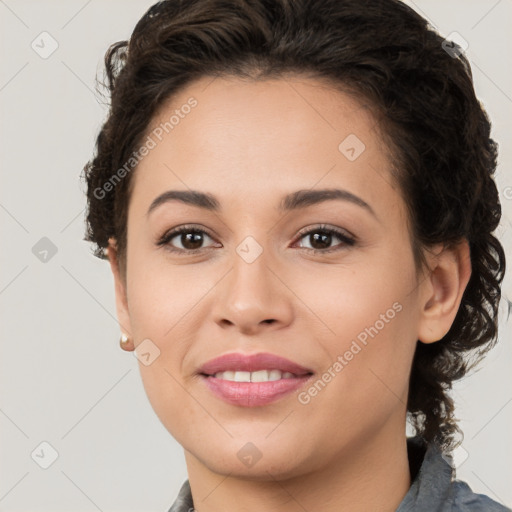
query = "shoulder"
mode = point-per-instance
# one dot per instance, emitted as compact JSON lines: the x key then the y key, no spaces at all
{"x":465,"y":500}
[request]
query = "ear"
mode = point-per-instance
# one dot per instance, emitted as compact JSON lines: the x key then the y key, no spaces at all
{"x":123,"y":314}
{"x":442,"y":291}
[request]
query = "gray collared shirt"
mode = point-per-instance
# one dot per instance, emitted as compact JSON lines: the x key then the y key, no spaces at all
{"x":433,"y":489}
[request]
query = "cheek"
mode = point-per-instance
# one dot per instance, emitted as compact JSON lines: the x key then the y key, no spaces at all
{"x":161,"y":295}
{"x":370,"y":314}
{"x":357,"y":299}
{"x":164,"y":304}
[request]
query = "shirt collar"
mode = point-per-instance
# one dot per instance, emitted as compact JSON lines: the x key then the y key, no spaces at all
{"x":430,"y":489}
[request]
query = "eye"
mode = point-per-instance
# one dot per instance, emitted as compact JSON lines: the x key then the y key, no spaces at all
{"x":190,"y":237}
{"x":323,"y":235}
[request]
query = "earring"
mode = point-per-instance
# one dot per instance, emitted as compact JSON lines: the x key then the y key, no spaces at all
{"x":125,"y":343}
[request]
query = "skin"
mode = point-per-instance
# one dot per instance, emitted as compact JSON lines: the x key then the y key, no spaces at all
{"x":249,"y":144}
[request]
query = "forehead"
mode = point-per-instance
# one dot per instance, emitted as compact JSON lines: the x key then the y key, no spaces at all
{"x":246,"y":139}
{"x":232,"y":110}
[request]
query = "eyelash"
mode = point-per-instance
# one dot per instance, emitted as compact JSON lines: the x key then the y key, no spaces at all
{"x":346,"y":240}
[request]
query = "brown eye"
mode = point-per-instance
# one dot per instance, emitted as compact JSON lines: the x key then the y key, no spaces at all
{"x":321,"y":238}
{"x":191,"y":239}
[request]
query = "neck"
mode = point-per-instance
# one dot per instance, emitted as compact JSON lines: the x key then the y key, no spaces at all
{"x":370,"y":474}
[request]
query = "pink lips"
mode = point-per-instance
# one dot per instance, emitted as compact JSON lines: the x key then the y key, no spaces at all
{"x":252,"y":394}
{"x":236,"y":361}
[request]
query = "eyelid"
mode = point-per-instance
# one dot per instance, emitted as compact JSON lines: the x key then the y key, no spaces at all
{"x":326,"y":227}
{"x":174,"y":232}
{"x":345,"y":236}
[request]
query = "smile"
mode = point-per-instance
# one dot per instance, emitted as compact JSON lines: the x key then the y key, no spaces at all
{"x":259,"y":376}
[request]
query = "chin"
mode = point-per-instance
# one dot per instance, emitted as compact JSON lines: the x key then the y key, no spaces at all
{"x":259,"y":461}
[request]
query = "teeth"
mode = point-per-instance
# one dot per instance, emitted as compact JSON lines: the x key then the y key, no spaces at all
{"x":242,"y":376}
{"x":259,"y":376}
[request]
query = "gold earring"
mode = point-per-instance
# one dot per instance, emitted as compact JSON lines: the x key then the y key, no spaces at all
{"x":125,"y":343}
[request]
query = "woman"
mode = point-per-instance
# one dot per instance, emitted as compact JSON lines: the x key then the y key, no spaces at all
{"x":297,"y":202}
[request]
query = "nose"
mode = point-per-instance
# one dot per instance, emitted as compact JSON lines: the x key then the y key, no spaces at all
{"x":253,"y":297}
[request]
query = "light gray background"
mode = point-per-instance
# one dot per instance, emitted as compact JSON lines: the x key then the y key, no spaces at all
{"x":64,"y":379}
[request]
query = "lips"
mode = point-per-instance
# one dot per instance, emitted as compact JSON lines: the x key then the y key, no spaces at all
{"x":237,"y":361}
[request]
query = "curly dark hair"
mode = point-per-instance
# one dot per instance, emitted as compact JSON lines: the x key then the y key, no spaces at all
{"x":383,"y":53}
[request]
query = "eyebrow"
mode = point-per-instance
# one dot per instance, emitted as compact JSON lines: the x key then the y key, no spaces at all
{"x":292,"y":201}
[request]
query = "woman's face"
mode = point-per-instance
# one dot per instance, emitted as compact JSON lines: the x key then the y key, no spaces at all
{"x":349,"y":312}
